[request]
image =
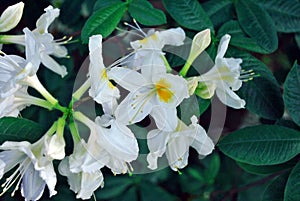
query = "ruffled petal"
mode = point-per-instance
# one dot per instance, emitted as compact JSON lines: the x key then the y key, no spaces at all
{"x":229,"y":98}
{"x":165,"y":118}
{"x":46,"y":19}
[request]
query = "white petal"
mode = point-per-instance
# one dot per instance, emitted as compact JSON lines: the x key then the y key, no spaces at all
{"x":95,"y":48}
{"x":53,"y":65}
{"x":157,"y":141}
{"x":200,"y":42}
{"x":10,"y":159}
{"x":202,"y":143}
{"x":74,"y":179}
{"x":135,"y":107}
{"x":229,"y":98}
{"x":32,"y":186}
{"x":11,"y":16}
{"x":46,"y":19}
{"x":165,"y":118}
{"x":174,"y":36}
{"x":56,"y":147}
{"x":153,"y":64}
{"x":49,"y":176}
{"x":89,"y":183}
{"x":127,"y":78}
{"x":119,"y":141}
{"x":223,"y":45}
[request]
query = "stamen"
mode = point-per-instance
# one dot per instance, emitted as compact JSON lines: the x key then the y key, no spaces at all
{"x":247,"y":75}
{"x":137,"y":28}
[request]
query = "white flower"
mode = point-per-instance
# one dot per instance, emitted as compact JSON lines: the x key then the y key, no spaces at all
{"x":223,"y":78}
{"x":13,"y":69}
{"x":40,"y":44}
{"x":157,"y":95}
{"x":115,"y":147}
{"x":13,"y":104}
{"x":82,"y":179}
{"x":176,"y":144}
{"x":55,"y":146}
{"x":148,"y":51}
{"x":35,"y":169}
{"x":102,"y":90}
{"x":11,"y":16}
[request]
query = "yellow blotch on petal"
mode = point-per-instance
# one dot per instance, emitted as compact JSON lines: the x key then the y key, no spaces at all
{"x":104,"y":78}
{"x":153,"y":37}
{"x":163,"y":91}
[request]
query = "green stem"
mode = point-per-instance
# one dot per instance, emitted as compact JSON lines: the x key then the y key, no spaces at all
{"x":185,"y":69}
{"x":52,"y":129}
{"x":169,"y":69}
{"x":78,"y":94}
{"x":61,"y":122}
{"x":74,"y":130}
{"x":12,"y":39}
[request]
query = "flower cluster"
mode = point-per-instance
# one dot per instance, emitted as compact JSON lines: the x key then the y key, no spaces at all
{"x":152,"y":90}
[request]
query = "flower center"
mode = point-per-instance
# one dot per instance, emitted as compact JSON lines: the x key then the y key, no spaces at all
{"x":163,"y":91}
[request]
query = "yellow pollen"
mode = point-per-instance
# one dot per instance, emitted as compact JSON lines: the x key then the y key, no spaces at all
{"x":163,"y":91}
{"x":146,"y":40}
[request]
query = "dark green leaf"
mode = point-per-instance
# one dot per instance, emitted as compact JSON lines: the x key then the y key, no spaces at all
{"x":100,"y":4}
{"x":297,"y":38}
{"x":285,"y":14}
{"x":262,"y":94}
{"x":103,"y":21}
{"x":154,"y":193}
{"x":257,"y":23}
{"x":19,"y":129}
{"x":275,"y":190}
{"x":264,"y":169}
{"x":219,"y":11}
{"x":145,"y":14}
{"x":114,"y":186}
{"x":291,"y":93}
{"x":292,"y":192}
{"x":188,"y":108}
{"x":262,"y":145}
{"x":212,"y":170}
{"x":203,"y":104}
{"x":239,"y":38}
{"x":188,"y":13}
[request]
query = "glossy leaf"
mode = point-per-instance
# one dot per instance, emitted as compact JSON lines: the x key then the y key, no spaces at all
{"x":292,"y":192}
{"x":292,"y":93}
{"x":219,"y":11}
{"x":259,"y":145}
{"x":275,"y":190}
{"x":19,"y":129}
{"x":145,"y":14}
{"x":188,"y":13}
{"x":103,"y":21}
{"x":257,"y":23}
{"x":239,"y":38}
{"x":285,"y":14}
{"x":100,"y":4}
{"x":188,"y":108}
{"x":264,"y":169}
{"x":262,"y":94}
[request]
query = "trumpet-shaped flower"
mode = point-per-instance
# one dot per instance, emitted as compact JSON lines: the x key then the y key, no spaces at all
{"x":13,"y":69}
{"x":115,"y":147}
{"x":102,"y":90}
{"x":11,"y":16}
{"x":175,"y":144}
{"x":40,"y":44}
{"x":35,"y":169}
{"x":158,"y":96}
{"x":224,"y":78}
{"x":148,"y":51}
{"x":82,"y":179}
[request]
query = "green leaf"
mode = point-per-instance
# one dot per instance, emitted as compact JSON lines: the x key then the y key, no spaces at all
{"x":203,"y":104}
{"x":114,"y":186}
{"x":297,"y":38}
{"x":103,"y":21}
{"x":19,"y":129}
{"x":188,"y":108}
{"x":262,"y":94}
{"x":264,"y":169}
{"x":68,"y":8}
{"x":145,"y":14}
{"x":257,"y":23}
{"x":154,"y":193}
{"x":292,"y":192}
{"x":291,"y":93}
{"x":275,"y":190}
{"x":189,"y":14}
{"x":100,"y":4}
{"x":212,"y":170}
{"x":239,"y":38}
{"x":260,"y":145}
{"x":285,"y":14}
{"x":219,"y":11}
